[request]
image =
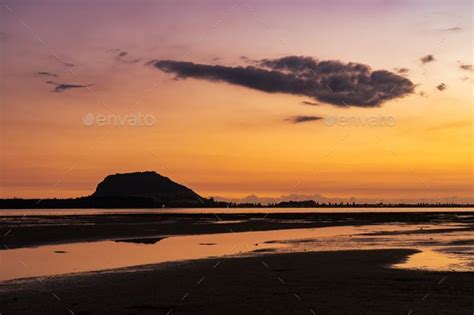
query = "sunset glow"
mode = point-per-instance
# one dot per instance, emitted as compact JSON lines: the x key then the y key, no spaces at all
{"x":230,"y":139}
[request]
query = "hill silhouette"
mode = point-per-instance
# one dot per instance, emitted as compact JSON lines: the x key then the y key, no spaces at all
{"x":128,"y":190}
{"x":146,"y":184}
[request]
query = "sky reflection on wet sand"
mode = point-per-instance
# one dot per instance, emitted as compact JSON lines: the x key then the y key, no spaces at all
{"x":435,"y":253}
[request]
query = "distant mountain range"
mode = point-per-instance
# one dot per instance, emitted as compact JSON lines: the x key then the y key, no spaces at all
{"x":337,"y":200}
{"x":152,"y":190}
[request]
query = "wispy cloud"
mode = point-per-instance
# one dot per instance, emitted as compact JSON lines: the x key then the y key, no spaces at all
{"x":61,"y":87}
{"x":402,"y":70}
{"x":124,"y":56}
{"x":465,"y":67}
{"x":47,"y":74}
{"x":451,"y":125}
{"x":442,"y":87}
{"x":453,"y":29}
{"x":310,"y":103}
{"x":303,"y":119}
{"x":333,"y":82}
{"x":427,"y":59}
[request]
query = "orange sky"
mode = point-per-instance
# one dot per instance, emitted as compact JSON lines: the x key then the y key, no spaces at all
{"x":229,"y":140}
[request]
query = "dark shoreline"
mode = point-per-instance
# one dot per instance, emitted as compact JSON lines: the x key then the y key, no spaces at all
{"x":130,"y":202}
{"x":342,"y":282}
{"x":20,"y":231}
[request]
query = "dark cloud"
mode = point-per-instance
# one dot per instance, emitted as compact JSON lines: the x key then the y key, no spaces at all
{"x":303,"y":119}
{"x":465,"y":67}
{"x":332,"y":82}
{"x":310,"y":103}
{"x":61,"y":87}
{"x":427,"y":58}
{"x":47,"y":74}
{"x":442,"y":87}
{"x":68,"y":64}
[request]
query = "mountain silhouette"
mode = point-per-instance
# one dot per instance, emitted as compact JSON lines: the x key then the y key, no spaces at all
{"x":148,"y":185}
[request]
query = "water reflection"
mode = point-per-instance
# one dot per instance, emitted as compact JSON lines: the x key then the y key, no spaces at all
{"x":429,"y":259}
{"x":443,"y":247}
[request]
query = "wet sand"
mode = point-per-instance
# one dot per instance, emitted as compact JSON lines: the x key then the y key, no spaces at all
{"x":18,"y":231}
{"x":343,"y":282}
{"x":335,"y":282}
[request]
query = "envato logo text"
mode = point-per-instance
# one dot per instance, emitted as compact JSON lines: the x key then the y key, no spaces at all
{"x":360,"y":121}
{"x":129,"y":120}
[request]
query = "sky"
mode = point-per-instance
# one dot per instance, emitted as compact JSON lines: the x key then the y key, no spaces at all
{"x":367,"y":99}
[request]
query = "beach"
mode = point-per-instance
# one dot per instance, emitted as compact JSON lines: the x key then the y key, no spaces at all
{"x":349,"y":282}
{"x":32,"y":230}
{"x":286,"y":263}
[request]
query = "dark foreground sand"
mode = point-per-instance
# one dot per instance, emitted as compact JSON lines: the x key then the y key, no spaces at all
{"x":349,"y":282}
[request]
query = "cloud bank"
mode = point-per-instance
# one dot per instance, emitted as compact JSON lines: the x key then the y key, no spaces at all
{"x":333,"y":82}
